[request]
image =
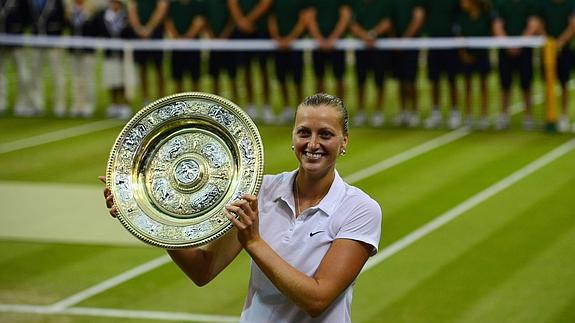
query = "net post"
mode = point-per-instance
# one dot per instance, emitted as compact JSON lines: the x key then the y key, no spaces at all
{"x":550,"y":68}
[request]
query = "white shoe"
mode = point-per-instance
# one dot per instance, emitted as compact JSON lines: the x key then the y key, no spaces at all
{"x":502,"y":123}
{"x":124,"y":112}
{"x":252,"y":112}
{"x":454,"y":119}
{"x":112,"y":111}
{"x":434,"y":120}
{"x":483,"y":123}
{"x":528,"y":123}
{"x":359,"y":119}
{"x":287,"y":116}
{"x":268,"y":115}
{"x":377,"y":119}
{"x":563,"y":124}
{"x":400,"y":119}
{"x":468,"y":122}
{"x":413,"y":120}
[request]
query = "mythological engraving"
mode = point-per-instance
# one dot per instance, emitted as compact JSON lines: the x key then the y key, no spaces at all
{"x":215,"y":155}
{"x":187,"y":171}
{"x":173,"y":148}
{"x":222,"y":116}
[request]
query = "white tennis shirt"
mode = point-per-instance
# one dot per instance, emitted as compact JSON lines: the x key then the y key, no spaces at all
{"x":345,"y":212}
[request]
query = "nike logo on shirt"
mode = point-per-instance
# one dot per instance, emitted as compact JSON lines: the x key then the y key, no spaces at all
{"x":311,"y":234}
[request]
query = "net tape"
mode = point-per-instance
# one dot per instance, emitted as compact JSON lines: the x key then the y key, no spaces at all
{"x":265,"y":44}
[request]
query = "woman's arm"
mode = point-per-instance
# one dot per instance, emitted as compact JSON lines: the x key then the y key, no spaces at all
{"x":201,"y":264}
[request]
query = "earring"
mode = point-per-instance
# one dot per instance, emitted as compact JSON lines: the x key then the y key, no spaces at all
{"x":292,"y":147}
{"x":342,"y":152}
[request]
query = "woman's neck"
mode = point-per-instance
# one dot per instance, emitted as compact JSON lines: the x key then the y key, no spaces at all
{"x":313,"y":187}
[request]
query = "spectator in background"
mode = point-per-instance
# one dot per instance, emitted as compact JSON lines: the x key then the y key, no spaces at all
{"x":14,"y":18}
{"x":185,"y":22}
{"x":146,"y":18}
{"x":112,"y":22}
{"x":48,"y":18}
{"x":370,"y":20}
{"x":558,"y":21}
{"x":407,"y":18}
{"x":440,"y":16}
{"x":83,"y":60}
{"x":219,"y":26}
{"x":250,"y":21}
{"x":475,"y":21}
{"x":515,"y":18}
{"x":287,"y":21}
{"x":328,"y":21}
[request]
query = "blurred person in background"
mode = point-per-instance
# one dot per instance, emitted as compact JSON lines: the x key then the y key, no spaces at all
{"x":370,"y":21}
{"x":112,"y":22}
{"x":515,"y":18}
{"x":287,"y":22}
{"x":475,"y":20}
{"x":14,"y":19}
{"x":308,"y":232}
{"x":250,"y":19}
{"x":48,"y":18}
{"x":407,"y":17}
{"x":146,"y":18}
{"x":440,"y":17}
{"x":328,"y":22}
{"x":558,"y":21}
{"x":220,"y":26}
{"x":185,"y":21}
{"x":79,"y":15}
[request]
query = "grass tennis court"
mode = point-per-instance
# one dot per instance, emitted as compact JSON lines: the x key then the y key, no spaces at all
{"x":478,"y":227}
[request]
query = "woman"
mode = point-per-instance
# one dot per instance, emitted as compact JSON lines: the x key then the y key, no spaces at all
{"x":308,"y":232}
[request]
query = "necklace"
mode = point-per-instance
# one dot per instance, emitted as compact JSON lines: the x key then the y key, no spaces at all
{"x":297,"y":203}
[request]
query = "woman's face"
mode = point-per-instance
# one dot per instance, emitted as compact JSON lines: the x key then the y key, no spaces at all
{"x":318,"y":138}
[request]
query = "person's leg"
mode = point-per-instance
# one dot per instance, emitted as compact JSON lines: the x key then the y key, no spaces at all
{"x":433,"y":72}
{"x":338,"y":65}
{"x":362,"y":63}
{"x":318,"y":61}
{"x":143,"y":68}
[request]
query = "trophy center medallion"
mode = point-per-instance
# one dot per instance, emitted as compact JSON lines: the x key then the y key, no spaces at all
{"x":187,"y":172}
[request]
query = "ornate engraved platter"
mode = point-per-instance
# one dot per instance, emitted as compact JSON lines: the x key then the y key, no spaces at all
{"x":178,"y":162}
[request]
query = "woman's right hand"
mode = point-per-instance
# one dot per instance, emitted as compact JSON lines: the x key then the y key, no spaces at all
{"x":109,"y":198}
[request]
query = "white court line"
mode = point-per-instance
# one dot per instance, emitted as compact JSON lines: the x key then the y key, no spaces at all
{"x":58,"y":135}
{"x":468,"y":204}
{"x":128,"y":314}
{"x":406,"y":155}
{"x":110,"y":283}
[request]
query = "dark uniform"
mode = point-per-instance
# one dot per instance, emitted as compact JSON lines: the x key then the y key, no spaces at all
{"x":287,"y":62}
{"x":405,"y":62}
{"x":515,"y":15}
{"x":327,"y":15}
{"x":182,"y":13}
{"x":476,"y":60}
{"x":218,"y":17}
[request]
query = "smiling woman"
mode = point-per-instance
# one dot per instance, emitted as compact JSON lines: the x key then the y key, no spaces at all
{"x":308,"y":232}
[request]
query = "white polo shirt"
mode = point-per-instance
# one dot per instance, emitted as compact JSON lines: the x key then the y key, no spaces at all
{"x":345,"y":212}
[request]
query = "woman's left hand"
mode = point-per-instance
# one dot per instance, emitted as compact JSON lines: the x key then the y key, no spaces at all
{"x":247,"y":222}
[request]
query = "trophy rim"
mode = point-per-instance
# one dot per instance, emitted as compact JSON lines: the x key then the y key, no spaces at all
{"x":221,"y":101}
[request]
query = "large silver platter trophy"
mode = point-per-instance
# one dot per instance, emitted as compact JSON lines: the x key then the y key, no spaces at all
{"x":178,"y":162}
